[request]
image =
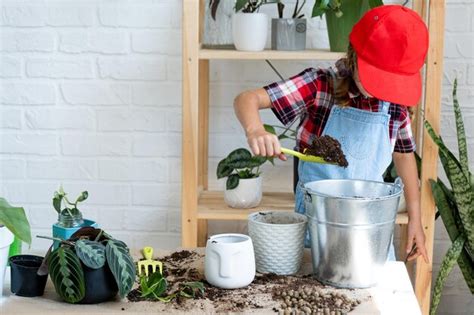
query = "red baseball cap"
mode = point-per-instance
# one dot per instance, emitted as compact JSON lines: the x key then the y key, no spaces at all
{"x":391,"y":42}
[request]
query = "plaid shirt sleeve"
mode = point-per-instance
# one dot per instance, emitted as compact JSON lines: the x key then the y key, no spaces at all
{"x":404,"y":142}
{"x":293,"y":96}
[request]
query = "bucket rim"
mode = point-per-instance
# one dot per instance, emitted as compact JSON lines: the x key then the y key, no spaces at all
{"x":299,"y":215}
{"x":393,"y":195}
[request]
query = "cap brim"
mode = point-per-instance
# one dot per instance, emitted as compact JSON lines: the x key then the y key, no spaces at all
{"x":401,"y":89}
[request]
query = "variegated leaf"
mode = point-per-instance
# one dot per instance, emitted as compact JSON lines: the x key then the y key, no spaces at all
{"x":121,"y":265}
{"x":448,"y":214}
{"x":461,"y":133}
{"x":92,"y":254}
{"x":67,"y":275}
{"x":446,"y":266}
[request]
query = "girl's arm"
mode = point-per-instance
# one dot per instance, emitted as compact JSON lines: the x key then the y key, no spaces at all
{"x":246,"y":106}
{"x":405,"y":164}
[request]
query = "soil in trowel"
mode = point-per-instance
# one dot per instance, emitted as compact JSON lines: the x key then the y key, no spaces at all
{"x":329,"y":149}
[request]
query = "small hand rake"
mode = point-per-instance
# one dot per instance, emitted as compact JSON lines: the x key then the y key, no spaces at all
{"x":149,"y":261}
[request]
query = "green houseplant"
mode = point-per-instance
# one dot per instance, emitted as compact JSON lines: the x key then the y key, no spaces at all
{"x":70,"y":218}
{"x":244,"y":184}
{"x":341,"y":15}
{"x":91,"y":267}
{"x":13,"y":223}
{"x":455,"y":206}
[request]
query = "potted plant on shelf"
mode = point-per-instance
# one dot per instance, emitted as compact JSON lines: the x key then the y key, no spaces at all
{"x":341,"y":15}
{"x":249,"y":27}
{"x":90,"y":267}
{"x":13,"y":222}
{"x":455,"y":206}
{"x":244,"y":183}
{"x":69,"y":217}
{"x":289,"y":33}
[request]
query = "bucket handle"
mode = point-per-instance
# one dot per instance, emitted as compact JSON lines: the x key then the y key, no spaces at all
{"x":398,"y":182}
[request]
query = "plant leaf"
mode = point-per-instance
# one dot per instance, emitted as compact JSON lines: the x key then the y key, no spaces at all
{"x":91,"y":253}
{"x":232,"y":181}
{"x":317,"y":11}
{"x":121,"y":265}
{"x":240,"y":4}
{"x":375,"y":3}
{"x":461,"y":187}
{"x":15,"y":220}
{"x":239,"y":158}
{"x":223,"y":169}
{"x":270,"y":129}
{"x":192,"y":289}
{"x":67,"y":275}
{"x":214,"y":4}
{"x":57,"y":199}
{"x":446,"y":266}
{"x":461,"y":133}
{"x":154,"y":285}
{"x":83,"y":196}
{"x":447,"y":212}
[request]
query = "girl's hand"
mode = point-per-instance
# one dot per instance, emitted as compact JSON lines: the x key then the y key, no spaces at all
{"x":416,"y":237}
{"x":264,"y":143}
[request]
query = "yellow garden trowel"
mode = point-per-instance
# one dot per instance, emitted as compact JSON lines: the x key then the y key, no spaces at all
{"x":306,"y":157}
{"x":149,"y":261}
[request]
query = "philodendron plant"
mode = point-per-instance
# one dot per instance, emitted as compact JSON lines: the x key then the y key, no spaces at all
{"x":240,"y":164}
{"x":455,"y":206}
{"x":14,"y":219}
{"x":69,"y":212}
{"x":93,"y":248}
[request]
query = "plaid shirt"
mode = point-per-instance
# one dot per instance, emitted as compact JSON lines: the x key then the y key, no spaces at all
{"x":309,"y":95}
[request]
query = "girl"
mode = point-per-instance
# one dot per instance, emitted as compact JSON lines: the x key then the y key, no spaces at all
{"x":363,"y":105}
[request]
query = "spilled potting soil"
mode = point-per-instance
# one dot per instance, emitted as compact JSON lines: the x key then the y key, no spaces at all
{"x":329,"y":149}
{"x":269,"y":292}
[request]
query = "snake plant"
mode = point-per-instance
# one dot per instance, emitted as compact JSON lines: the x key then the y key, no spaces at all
{"x":455,"y":206}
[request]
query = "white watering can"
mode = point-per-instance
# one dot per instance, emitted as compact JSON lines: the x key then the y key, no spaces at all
{"x":229,"y":261}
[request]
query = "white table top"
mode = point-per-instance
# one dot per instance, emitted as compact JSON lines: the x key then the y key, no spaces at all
{"x":393,"y":295}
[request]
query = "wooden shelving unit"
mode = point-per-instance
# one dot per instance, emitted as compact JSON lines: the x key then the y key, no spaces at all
{"x":200,"y":205}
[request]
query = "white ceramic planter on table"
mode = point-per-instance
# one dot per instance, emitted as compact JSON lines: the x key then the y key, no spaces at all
{"x":6,"y":238}
{"x":249,"y":31}
{"x":248,"y":194}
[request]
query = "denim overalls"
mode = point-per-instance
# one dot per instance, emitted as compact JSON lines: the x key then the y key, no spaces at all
{"x":364,"y":137}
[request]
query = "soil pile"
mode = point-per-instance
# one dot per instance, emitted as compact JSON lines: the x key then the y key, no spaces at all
{"x":282,"y":294}
{"x":329,"y":149}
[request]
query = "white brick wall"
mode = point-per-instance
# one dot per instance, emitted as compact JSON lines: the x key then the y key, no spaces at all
{"x":91,"y":98}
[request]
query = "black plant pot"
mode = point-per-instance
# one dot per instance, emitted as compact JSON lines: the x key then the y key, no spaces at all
{"x":100,"y":285}
{"x":24,"y":278}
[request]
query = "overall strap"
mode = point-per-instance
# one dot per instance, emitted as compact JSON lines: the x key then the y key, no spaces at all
{"x":384,"y":107}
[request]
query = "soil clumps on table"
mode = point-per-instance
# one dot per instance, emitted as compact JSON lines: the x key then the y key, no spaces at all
{"x":283,"y":294}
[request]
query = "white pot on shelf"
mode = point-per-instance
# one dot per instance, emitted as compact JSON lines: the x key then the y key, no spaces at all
{"x":6,"y":238}
{"x":249,"y":31}
{"x":248,"y":194}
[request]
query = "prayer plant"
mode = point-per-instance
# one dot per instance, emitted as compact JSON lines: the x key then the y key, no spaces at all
{"x":455,"y":206}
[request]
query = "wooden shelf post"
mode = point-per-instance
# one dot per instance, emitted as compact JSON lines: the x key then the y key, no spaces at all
{"x":433,"y":80}
{"x":190,"y":149}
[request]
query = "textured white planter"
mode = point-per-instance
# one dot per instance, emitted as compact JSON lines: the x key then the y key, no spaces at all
{"x":229,"y":261}
{"x":6,"y":238}
{"x":278,"y":240}
{"x":247,"y":194}
{"x":250,"y":31}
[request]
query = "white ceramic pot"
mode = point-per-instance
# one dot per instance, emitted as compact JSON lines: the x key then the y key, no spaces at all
{"x":249,"y":31}
{"x":6,"y":238}
{"x":278,"y":238}
{"x":247,"y":194}
{"x":229,"y":261}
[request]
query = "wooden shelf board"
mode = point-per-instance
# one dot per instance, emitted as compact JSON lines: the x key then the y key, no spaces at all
{"x":312,"y":54}
{"x":211,"y":206}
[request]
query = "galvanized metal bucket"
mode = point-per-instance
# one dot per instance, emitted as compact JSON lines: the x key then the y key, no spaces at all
{"x":351,"y":226}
